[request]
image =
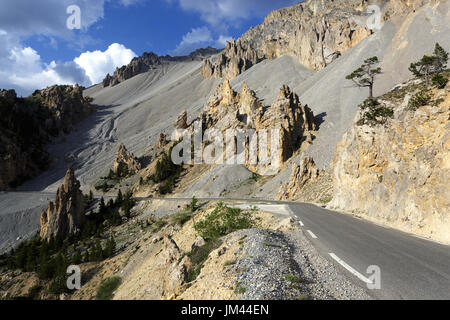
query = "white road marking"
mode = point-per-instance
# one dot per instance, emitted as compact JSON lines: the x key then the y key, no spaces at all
{"x":301,"y":223}
{"x":312,"y":234}
{"x":350,"y":269}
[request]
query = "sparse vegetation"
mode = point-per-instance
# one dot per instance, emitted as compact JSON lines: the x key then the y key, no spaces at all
{"x":193,"y":205}
{"x":224,"y":220}
{"x":374,"y":112}
{"x":421,"y":98}
{"x":439,"y":81}
{"x":430,"y":65}
{"x":182,"y":217}
{"x":107,"y":287}
{"x":240,"y":289}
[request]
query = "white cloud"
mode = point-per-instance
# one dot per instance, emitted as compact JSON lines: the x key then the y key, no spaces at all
{"x":98,"y":63}
{"x":21,"y":68}
{"x":192,"y":40}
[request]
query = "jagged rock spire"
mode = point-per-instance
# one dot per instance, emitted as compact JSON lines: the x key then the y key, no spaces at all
{"x":66,"y":215}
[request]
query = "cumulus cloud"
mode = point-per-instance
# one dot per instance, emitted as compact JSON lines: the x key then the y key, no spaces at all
{"x":98,"y":63}
{"x":194,"y":39}
{"x":21,"y":68}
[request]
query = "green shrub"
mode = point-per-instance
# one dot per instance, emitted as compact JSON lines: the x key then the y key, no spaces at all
{"x":107,"y":287}
{"x":421,"y":98}
{"x":193,"y":205}
{"x":439,"y":81}
{"x":374,"y":112}
{"x":224,"y":220}
{"x":181,"y":218}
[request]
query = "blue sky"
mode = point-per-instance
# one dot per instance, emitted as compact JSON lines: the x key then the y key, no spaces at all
{"x":37,"y":49}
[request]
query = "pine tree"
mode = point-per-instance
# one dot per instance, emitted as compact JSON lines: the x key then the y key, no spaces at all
{"x":102,"y":208}
{"x":364,"y":76}
{"x":429,"y":65}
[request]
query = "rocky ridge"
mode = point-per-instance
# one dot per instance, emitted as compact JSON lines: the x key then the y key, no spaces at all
{"x":149,"y":61}
{"x":316,"y":32}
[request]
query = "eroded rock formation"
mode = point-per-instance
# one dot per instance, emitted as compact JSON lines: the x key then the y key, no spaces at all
{"x":227,"y":109}
{"x":181,"y":121}
{"x":125,"y":162}
{"x":66,"y":215}
{"x":398,"y":173}
{"x":162,"y":141}
{"x":175,"y":265}
{"x":305,"y":171}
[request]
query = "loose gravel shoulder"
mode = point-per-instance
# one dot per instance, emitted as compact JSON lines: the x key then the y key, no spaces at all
{"x":284,"y":265}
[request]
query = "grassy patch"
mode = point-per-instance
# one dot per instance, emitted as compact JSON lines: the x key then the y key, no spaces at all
{"x":107,"y":287}
{"x":240,"y":289}
{"x":181,"y":218}
{"x":224,"y":220}
{"x":292,"y":278}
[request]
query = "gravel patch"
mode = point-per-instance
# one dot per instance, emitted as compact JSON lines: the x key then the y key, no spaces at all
{"x":285,"y":266}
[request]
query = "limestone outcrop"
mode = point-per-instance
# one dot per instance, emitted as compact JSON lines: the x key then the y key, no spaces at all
{"x":66,"y":215}
{"x":305,"y":171}
{"x":398,"y":173}
{"x":175,"y":265}
{"x":235,"y":59}
{"x":67,"y":105}
{"x":316,"y":32}
{"x":125,"y":162}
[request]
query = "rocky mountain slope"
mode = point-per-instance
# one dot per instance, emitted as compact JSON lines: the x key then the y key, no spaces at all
{"x":150,"y":60}
{"x":316,"y":32}
{"x":398,"y":173}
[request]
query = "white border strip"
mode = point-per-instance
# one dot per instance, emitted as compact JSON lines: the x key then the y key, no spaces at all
{"x":350,"y":269}
{"x":312,"y":234}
